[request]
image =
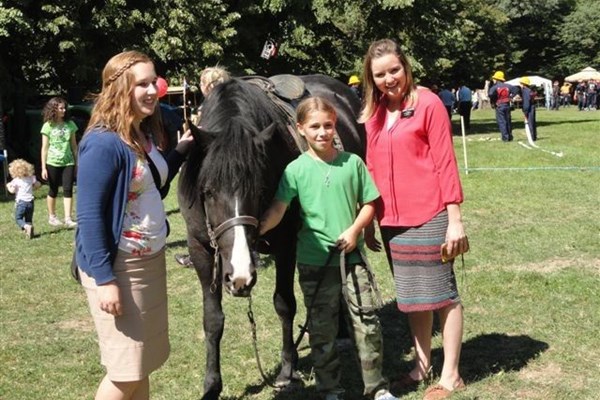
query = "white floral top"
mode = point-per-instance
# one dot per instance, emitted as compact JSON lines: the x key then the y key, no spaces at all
{"x":144,"y":227}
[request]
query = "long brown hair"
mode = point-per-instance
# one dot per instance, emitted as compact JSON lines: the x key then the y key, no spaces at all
{"x":113,"y":107}
{"x":50,"y":111}
{"x":371,"y":95}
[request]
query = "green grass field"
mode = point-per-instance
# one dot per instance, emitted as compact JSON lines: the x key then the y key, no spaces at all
{"x":530,"y":287}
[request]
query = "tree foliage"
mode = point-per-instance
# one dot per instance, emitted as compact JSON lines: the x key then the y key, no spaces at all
{"x":51,"y":46}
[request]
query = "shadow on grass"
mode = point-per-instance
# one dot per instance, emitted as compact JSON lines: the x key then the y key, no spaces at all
{"x":482,"y":356}
{"x":491,"y":353}
{"x":397,"y":343}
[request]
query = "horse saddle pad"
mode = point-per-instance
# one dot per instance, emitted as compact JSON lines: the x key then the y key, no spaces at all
{"x":287,"y":86}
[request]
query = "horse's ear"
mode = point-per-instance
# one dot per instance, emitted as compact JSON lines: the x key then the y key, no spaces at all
{"x":266,"y":134}
{"x":201,"y":137}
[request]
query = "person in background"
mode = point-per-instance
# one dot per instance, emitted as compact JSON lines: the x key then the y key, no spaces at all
{"x":591,"y":95}
{"x":22,"y":186}
{"x":354,"y":84}
{"x":58,"y":158}
{"x":336,"y":197}
{"x":581,"y":93}
{"x":528,"y":106}
{"x":555,"y":95}
{"x":122,"y":230}
{"x":209,"y":78}
{"x":500,"y":95}
{"x":464,"y":97}
{"x":411,"y":159}
{"x":448,"y":100}
{"x":565,"y":94}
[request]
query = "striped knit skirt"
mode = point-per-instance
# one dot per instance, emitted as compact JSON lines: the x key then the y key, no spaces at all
{"x":423,"y":282}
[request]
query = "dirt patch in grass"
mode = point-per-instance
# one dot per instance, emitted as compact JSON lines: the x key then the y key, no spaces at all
{"x":543,"y":375}
{"x":82,"y":325}
{"x":547,"y":375}
{"x":558,"y":264}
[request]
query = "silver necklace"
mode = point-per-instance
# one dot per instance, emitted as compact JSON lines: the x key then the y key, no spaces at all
{"x":327,"y":175}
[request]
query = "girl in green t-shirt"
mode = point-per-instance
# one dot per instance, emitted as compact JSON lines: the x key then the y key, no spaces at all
{"x":336,"y":196}
{"x":58,"y":158}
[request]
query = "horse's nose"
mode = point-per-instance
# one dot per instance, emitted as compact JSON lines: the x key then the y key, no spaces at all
{"x":240,"y":282}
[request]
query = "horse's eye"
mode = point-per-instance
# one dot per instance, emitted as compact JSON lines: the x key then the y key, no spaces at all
{"x":207,"y":193}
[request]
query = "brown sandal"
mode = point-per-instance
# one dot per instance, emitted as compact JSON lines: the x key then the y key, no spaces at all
{"x":438,"y":392}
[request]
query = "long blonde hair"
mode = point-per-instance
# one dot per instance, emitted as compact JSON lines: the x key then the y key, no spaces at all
{"x":113,"y":108}
{"x":373,"y":96}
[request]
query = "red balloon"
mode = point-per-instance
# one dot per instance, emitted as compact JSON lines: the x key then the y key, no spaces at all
{"x":161,"y":86}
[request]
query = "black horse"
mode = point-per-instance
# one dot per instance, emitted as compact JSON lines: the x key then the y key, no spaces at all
{"x":228,"y":181}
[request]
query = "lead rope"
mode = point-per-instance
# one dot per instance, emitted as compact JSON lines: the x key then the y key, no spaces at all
{"x":215,"y":246}
{"x":265,"y":378}
{"x":303,"y":328}
{"x":378,"y":302}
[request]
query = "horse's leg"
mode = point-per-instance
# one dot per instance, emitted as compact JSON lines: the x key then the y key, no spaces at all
{"x":213,"y":321}
{"x":285,"y":306}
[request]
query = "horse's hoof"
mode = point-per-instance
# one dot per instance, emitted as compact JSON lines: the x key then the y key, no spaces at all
{"x":287,"y":385}
{"x":289,"y":382}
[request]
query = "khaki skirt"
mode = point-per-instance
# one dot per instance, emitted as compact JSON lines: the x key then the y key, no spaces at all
{"x":135,"y":343}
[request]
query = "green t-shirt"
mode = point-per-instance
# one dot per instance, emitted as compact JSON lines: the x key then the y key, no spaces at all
{"x":329,"y":195}
{"x":59,"y":143}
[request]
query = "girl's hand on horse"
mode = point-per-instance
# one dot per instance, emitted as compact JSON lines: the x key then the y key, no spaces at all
{"x":185,"y":142}
{"x":109,"y":298}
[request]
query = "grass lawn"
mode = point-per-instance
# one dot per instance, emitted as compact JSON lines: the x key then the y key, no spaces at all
{"x":530,"y":287}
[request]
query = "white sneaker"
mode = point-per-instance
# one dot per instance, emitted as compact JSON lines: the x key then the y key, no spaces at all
{"x":54,"y":221}
{"x":384,"y":394}
{"x":69,"y":223}
{"x":28,"y":230}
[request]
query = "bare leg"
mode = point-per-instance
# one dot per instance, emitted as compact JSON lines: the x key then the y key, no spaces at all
{"x":451,"y":321}
{"x":110,"y":390}
{"x":51,"y":205}
{"x":421,"y":324}
{"x":68,"y":206}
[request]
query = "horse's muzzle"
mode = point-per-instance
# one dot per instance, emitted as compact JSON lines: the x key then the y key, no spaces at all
{"x":239,"y":288}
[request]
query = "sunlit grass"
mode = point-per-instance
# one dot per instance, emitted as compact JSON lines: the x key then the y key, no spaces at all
{"x":529,"y":287}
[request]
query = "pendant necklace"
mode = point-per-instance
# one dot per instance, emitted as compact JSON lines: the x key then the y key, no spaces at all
{"x":327,"y":179}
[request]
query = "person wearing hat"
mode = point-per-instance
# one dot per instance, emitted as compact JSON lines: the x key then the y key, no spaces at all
{"x":500,"y":95}
{"x":528,"y":106}
{"x":354,"y":83}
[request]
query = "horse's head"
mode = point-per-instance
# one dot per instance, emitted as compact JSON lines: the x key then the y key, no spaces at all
{"x":232,"y":227}
{"x":235,"y":171}
{"x":232,"y":192}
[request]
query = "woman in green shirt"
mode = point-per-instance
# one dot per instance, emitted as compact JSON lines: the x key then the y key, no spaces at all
{"x":59,"y":150}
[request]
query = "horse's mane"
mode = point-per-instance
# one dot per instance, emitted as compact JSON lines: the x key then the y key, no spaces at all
{"x":235,"y":160}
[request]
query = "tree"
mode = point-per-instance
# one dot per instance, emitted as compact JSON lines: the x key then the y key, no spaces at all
{"x":579,"y":38}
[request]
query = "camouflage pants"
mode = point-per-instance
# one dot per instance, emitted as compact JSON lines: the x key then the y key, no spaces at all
{"x":324,"y":321}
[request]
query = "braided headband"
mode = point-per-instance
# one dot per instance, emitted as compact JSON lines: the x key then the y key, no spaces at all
{"x":120,"y":71}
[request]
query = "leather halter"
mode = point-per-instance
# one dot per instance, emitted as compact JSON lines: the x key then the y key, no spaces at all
{"x":215,"y":234}
{"x":231,"y":222}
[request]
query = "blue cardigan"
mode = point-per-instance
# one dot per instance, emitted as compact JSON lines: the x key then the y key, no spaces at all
{"x":105,"y":167}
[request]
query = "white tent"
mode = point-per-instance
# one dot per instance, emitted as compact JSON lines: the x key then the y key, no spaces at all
{"x":537,"y":81}
{"x":584,"y":75}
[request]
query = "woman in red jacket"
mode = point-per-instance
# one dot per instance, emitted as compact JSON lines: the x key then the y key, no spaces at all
{"x":411,"y":158}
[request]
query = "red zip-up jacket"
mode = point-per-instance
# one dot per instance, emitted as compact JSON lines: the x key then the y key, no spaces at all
{"x":413,"y":163}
